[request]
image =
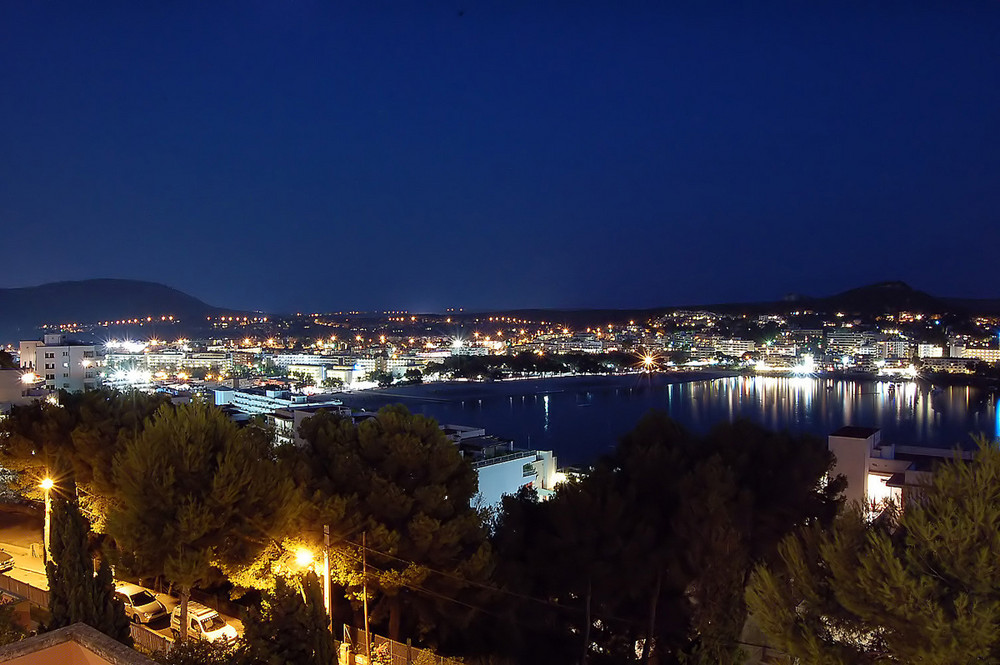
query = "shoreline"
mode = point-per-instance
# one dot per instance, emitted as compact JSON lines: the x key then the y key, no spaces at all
{"x":449,"y":391}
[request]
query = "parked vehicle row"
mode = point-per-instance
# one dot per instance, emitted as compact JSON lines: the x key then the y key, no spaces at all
{"x":142,"y":607}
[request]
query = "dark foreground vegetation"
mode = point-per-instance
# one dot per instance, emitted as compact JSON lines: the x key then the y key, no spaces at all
{"x":650,"y":557}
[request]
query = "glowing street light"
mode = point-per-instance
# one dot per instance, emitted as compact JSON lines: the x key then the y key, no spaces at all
{"x":47,"y":484}
{"x":303,"y":557}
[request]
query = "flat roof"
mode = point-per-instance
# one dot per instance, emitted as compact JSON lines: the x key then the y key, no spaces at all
{"x":855,"y":432}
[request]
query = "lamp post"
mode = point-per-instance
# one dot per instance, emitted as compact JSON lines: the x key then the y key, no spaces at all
{"x":47,"y":485}
{"x":304,"y":559}
{"x":326,"y":576}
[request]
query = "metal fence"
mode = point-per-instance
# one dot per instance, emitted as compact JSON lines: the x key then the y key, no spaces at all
{"x":35,"y":596}
{"x":150,"y":640}
{"x":387,"y":652}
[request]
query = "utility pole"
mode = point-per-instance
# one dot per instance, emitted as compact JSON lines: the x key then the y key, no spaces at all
{"x":326,"y":576}
{"x":364,"y":591}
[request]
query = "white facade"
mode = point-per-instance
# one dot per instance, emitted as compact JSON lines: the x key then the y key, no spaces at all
{"x":509,"y":473}
{"x":930,"y":351}
{"x":259,"y":401}
{"x":286,"y":359}
{"x":62,"y":365}
{"x":894,"y":348}
{"x":13,"y":391}
{"x":985,"y":355}
{"x":320,"y":373}
{"x":873,"y":473}
{"x":734,"y":347}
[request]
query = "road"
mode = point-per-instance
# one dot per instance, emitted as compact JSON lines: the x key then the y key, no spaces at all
{"x":21,"y":537}
{"x":162,"y":625}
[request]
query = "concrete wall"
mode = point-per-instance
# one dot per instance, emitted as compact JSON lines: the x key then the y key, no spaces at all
{"x":507,"y":477}
{"x":852,"y":461}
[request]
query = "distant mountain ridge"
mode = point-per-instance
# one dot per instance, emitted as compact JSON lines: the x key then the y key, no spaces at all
{"x":23,"y":310}
{"x":881,"y":298}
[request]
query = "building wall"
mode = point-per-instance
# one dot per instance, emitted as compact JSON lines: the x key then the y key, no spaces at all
{"x":930,"y":351}
{"x":66,"y":367}
{"x":852,"y":457}
{"x":506,"y":477}
{"x":12,"y":390}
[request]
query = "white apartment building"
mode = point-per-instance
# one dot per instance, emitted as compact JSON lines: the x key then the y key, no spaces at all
{"x":972,"y":353}
{"x":320,"y":373}
{"x":894,"y":348}
{"x":844,"y":340}
{"x":263,"y":401}
{"x":61,"y":364}
{"x":930,"y":351}
{"x":734,"y":347}
{"x":170,"y":361}
{"x":286,"y":359}
{"x":507,"y":474}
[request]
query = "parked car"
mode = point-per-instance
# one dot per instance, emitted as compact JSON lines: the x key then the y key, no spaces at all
{"x":6,"y":562}
{"x":140,"y":604}
{"x":204,"y":624}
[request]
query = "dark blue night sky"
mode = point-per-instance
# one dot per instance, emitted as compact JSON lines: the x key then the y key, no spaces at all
{"x":325,"y":155}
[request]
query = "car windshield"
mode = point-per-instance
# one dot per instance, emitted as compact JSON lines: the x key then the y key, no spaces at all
{"x":142,"y":598}
{"x":213,"y":623}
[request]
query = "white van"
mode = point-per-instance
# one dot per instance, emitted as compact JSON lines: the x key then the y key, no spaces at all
{"x":204,"y":624}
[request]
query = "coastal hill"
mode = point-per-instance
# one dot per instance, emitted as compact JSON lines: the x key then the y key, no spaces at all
{"x":881,"y":298}
{"x":23,"y":310}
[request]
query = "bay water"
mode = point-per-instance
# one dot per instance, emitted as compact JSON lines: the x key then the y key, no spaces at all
{"x":582,"y":417}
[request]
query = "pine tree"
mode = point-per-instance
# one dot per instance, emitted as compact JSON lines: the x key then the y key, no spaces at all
{"x":922,"y":589}
{"x":196,"y":491}
{"x":398,"y":478}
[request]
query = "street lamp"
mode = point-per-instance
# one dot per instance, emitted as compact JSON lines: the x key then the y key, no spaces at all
{"x":304,"y":559}
{"x":47,"y":484}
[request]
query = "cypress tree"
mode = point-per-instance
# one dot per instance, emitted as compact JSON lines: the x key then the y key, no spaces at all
{"x":293,"y":626}
{"x":110,"y":617}
{"x":75,"y":593}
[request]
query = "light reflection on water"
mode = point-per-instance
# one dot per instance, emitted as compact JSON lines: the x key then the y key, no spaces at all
{"x":581,"y":419}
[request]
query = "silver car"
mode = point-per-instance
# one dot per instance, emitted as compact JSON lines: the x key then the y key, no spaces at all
{"x":140,"y":605}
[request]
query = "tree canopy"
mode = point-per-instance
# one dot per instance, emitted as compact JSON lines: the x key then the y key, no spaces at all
{"x":196,"y":491}
{"x":649,"y":555}
{"x":920,"y":587}
{"x":82,"y":435}
{"x":400,"y":480}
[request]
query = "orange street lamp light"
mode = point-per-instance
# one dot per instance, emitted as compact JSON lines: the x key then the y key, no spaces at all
{"x":47,"y":484}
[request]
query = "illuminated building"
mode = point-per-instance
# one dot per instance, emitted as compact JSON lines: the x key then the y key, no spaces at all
{"x":61,"y":364}
{"x":894,"y":348}
{"x":734,"y":347}
{"x":15,"y":388}
{"x":973,"y":353}
{"x":266,"y":400}
{"x":877,"y":473}
{"x":930,"y":351}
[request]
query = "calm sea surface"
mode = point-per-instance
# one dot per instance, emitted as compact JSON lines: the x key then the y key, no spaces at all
{"x":582,"y":417}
